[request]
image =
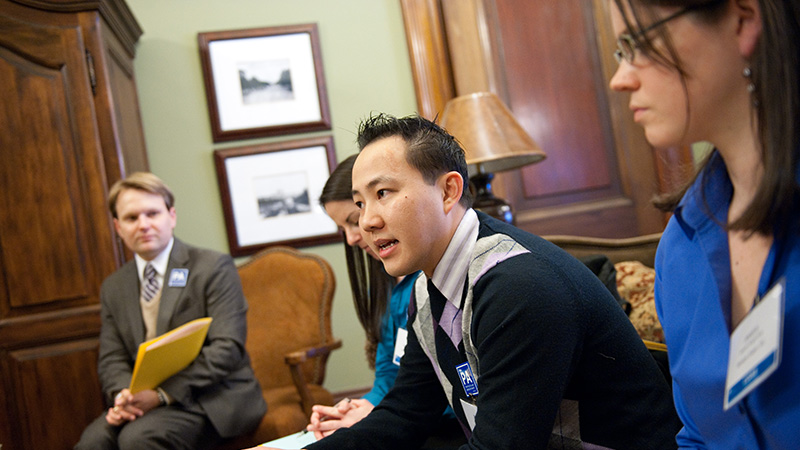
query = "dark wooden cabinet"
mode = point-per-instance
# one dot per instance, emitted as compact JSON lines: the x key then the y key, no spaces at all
{"x":69,"y":127}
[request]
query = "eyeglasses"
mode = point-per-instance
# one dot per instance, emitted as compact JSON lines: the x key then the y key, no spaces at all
{"x":627,"y":44}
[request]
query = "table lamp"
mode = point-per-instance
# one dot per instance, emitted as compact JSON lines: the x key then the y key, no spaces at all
{"x":493,"y":141}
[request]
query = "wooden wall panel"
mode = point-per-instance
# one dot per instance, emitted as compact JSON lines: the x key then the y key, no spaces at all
{"x":551,"y":72}
{"x":53,"y":377}
{"x":551,"y":62}
{"x":464,"y":32}
{"x":430,"y":58}
{"x":121,"y":126}
{"x":6,"y":395}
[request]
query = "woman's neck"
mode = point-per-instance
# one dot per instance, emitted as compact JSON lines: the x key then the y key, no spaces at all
{"x":741,"y":152}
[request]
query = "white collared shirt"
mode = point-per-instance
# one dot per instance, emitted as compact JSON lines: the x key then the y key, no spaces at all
{"x":451,"y":272}
{"x":159,"y":263}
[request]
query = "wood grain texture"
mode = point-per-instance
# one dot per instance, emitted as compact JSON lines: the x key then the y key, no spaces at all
{"x":551,"y":62}
{"x":430,"y":58}
{"x":70,"y":127}
{"x":55,"y":375}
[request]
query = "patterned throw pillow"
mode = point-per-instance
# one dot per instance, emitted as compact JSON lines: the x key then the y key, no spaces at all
{"x":635,"y":283}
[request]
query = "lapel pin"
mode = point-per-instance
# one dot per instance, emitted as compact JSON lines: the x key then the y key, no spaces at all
{"x":178,"y":277}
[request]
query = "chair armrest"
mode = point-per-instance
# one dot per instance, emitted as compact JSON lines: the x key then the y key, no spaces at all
{"x":302,"y":355}
{"x":639,"y":248}
{"x":298,"y":357}
{"x":653,"y":345}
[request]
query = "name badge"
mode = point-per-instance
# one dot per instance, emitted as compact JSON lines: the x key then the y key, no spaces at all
{"x":755,"y":350}
{"x":178,"y":277}
{"x":467,"y":379}
{"x":400,"y":345}
{"x":470,"y":411}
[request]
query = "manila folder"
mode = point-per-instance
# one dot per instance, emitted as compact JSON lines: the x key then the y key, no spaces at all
{"x":164,"y":356}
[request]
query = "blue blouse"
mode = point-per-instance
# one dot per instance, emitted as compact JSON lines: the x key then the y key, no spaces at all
{"x":394,"y":318}
{"x":693,"y":292}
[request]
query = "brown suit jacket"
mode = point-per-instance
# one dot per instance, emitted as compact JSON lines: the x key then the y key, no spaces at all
{"x":220,"y":383}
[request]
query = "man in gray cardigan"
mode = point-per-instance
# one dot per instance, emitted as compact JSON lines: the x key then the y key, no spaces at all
{"x":167,"y":284}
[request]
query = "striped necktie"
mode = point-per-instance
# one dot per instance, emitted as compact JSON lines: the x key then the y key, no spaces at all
{"x":150,"y":283}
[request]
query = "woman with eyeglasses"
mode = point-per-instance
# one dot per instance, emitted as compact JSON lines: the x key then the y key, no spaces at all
{"x":728,"y":265}
{"x":381,"y":303}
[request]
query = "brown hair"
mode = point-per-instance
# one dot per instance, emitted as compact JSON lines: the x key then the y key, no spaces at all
{"x":141,"y":181}
{"x":370,"y":283}
{"x":775,"y":66}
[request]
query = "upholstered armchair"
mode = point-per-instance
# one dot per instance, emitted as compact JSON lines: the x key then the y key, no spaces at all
{"x":289,"y":336}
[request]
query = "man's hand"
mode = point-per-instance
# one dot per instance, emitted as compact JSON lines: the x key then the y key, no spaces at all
{"x":127,"y":407}
{"x":146,"y":400}
{"x":123,"y":411}
{"x":325,"y":420}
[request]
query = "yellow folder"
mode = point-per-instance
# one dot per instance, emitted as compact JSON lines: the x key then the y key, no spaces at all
{"x":164,"y":356}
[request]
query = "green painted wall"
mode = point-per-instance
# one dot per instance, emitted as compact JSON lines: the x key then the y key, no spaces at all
{"x":367,"y":69}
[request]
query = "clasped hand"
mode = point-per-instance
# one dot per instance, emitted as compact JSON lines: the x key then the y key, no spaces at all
{"x":327,"y":419}
{"x":127,"y":407}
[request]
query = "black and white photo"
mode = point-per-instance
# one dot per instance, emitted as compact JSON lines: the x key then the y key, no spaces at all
{"x":264,"y":81}
{"x":269,"y":194}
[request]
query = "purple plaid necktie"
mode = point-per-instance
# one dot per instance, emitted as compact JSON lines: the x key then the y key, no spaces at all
{"x":150,"y":283}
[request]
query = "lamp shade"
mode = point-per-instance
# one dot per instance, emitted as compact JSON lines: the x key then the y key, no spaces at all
{"x":491,"y":137}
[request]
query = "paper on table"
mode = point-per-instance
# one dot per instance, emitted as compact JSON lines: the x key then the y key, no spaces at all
{"x":296,"y":440}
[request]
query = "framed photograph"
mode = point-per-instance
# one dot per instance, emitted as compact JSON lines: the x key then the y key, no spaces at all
{"x":264,"y":81}
{"x":270,"y":194}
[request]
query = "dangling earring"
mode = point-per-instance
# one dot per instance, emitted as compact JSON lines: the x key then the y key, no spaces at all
{"x":751,"y":87}
{"x":747,"y":73}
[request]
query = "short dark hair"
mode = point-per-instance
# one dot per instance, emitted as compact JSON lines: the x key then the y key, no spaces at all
{"x":140,"y":181}
{"x":430,"y":149}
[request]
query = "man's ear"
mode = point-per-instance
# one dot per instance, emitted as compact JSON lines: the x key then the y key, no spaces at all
{"x":453,"y":189}
{"x":116,"y":226}
{"x":748,"y":32}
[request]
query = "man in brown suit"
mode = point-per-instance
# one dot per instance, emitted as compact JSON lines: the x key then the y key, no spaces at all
{"x":167,"y":284}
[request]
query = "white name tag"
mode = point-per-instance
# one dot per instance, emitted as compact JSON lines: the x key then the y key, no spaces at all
{"x":400,"y":345}
{"x":470,"y":411}
{"x":756,"y":343}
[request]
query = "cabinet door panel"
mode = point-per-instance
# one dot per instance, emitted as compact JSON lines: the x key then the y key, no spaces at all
{"x":556,"y":90}
{"x":64,"y":118}
{"x":551,"y":78}
{"x":55,"y":379}
{"x":50,"y":230}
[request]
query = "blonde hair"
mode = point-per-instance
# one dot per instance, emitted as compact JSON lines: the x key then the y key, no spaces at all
{"x":141,"y":181}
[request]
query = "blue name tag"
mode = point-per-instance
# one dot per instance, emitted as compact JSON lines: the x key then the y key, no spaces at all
{"x":178,"y":277}
{"x":751,"y":376}
{"x":467,"y":379}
